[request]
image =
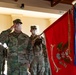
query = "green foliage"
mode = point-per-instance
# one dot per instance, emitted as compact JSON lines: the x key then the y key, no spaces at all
{"x":62,"y":47}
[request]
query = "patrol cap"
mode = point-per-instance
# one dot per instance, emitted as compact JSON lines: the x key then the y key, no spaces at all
{"x":17,"y":21}
{"x":33,"y":27}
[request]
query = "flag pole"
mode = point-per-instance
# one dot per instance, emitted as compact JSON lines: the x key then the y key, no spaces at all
{"x":37,"y":37}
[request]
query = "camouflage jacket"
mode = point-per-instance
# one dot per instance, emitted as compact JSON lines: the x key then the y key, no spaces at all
{"x":17,"y":44}
{"x":37,"y":48}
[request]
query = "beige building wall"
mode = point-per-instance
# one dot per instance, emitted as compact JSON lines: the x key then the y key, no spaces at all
{"x":52,"y":20}
{"x":41,"y":24}
{"x":5,"y":21}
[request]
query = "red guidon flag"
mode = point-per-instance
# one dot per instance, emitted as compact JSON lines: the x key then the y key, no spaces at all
{"x":60,"y":45}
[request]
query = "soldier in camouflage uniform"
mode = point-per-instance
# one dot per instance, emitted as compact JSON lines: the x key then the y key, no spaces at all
{"x":37,"y":66}
{"x":17,"y":43}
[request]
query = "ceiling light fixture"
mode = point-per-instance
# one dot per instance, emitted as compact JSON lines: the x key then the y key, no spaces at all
{"x":29,"y":13}
{"x":74,"y":2}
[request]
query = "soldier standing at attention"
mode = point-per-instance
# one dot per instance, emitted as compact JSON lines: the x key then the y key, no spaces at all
{"x":37,"y":66}
{"x":17,"y":43}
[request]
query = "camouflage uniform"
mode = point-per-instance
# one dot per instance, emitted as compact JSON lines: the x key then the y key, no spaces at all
{"x":37,"y":66}
{"x":2,"y":58}
{"x":47,"y":66}
{"x":17,"y":54}
{"x":30,"y":50}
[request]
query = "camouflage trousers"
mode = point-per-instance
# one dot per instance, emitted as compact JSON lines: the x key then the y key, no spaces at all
{"x":1,"y":65}
{"x":37,"y":66}
{"x":47,"y":68}
{"x":17,"y":69}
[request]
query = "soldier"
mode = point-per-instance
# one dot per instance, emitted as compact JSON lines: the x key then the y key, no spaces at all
{"x":37,"y":66}
{"x":17,"y":43}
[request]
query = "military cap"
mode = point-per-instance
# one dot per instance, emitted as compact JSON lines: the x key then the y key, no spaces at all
{"x":33,"y":27}
{"x":17,"y":21}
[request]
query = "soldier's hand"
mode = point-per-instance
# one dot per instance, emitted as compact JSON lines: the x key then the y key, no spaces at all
{"x":38,"y":36}
{"x":12,"y":27}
